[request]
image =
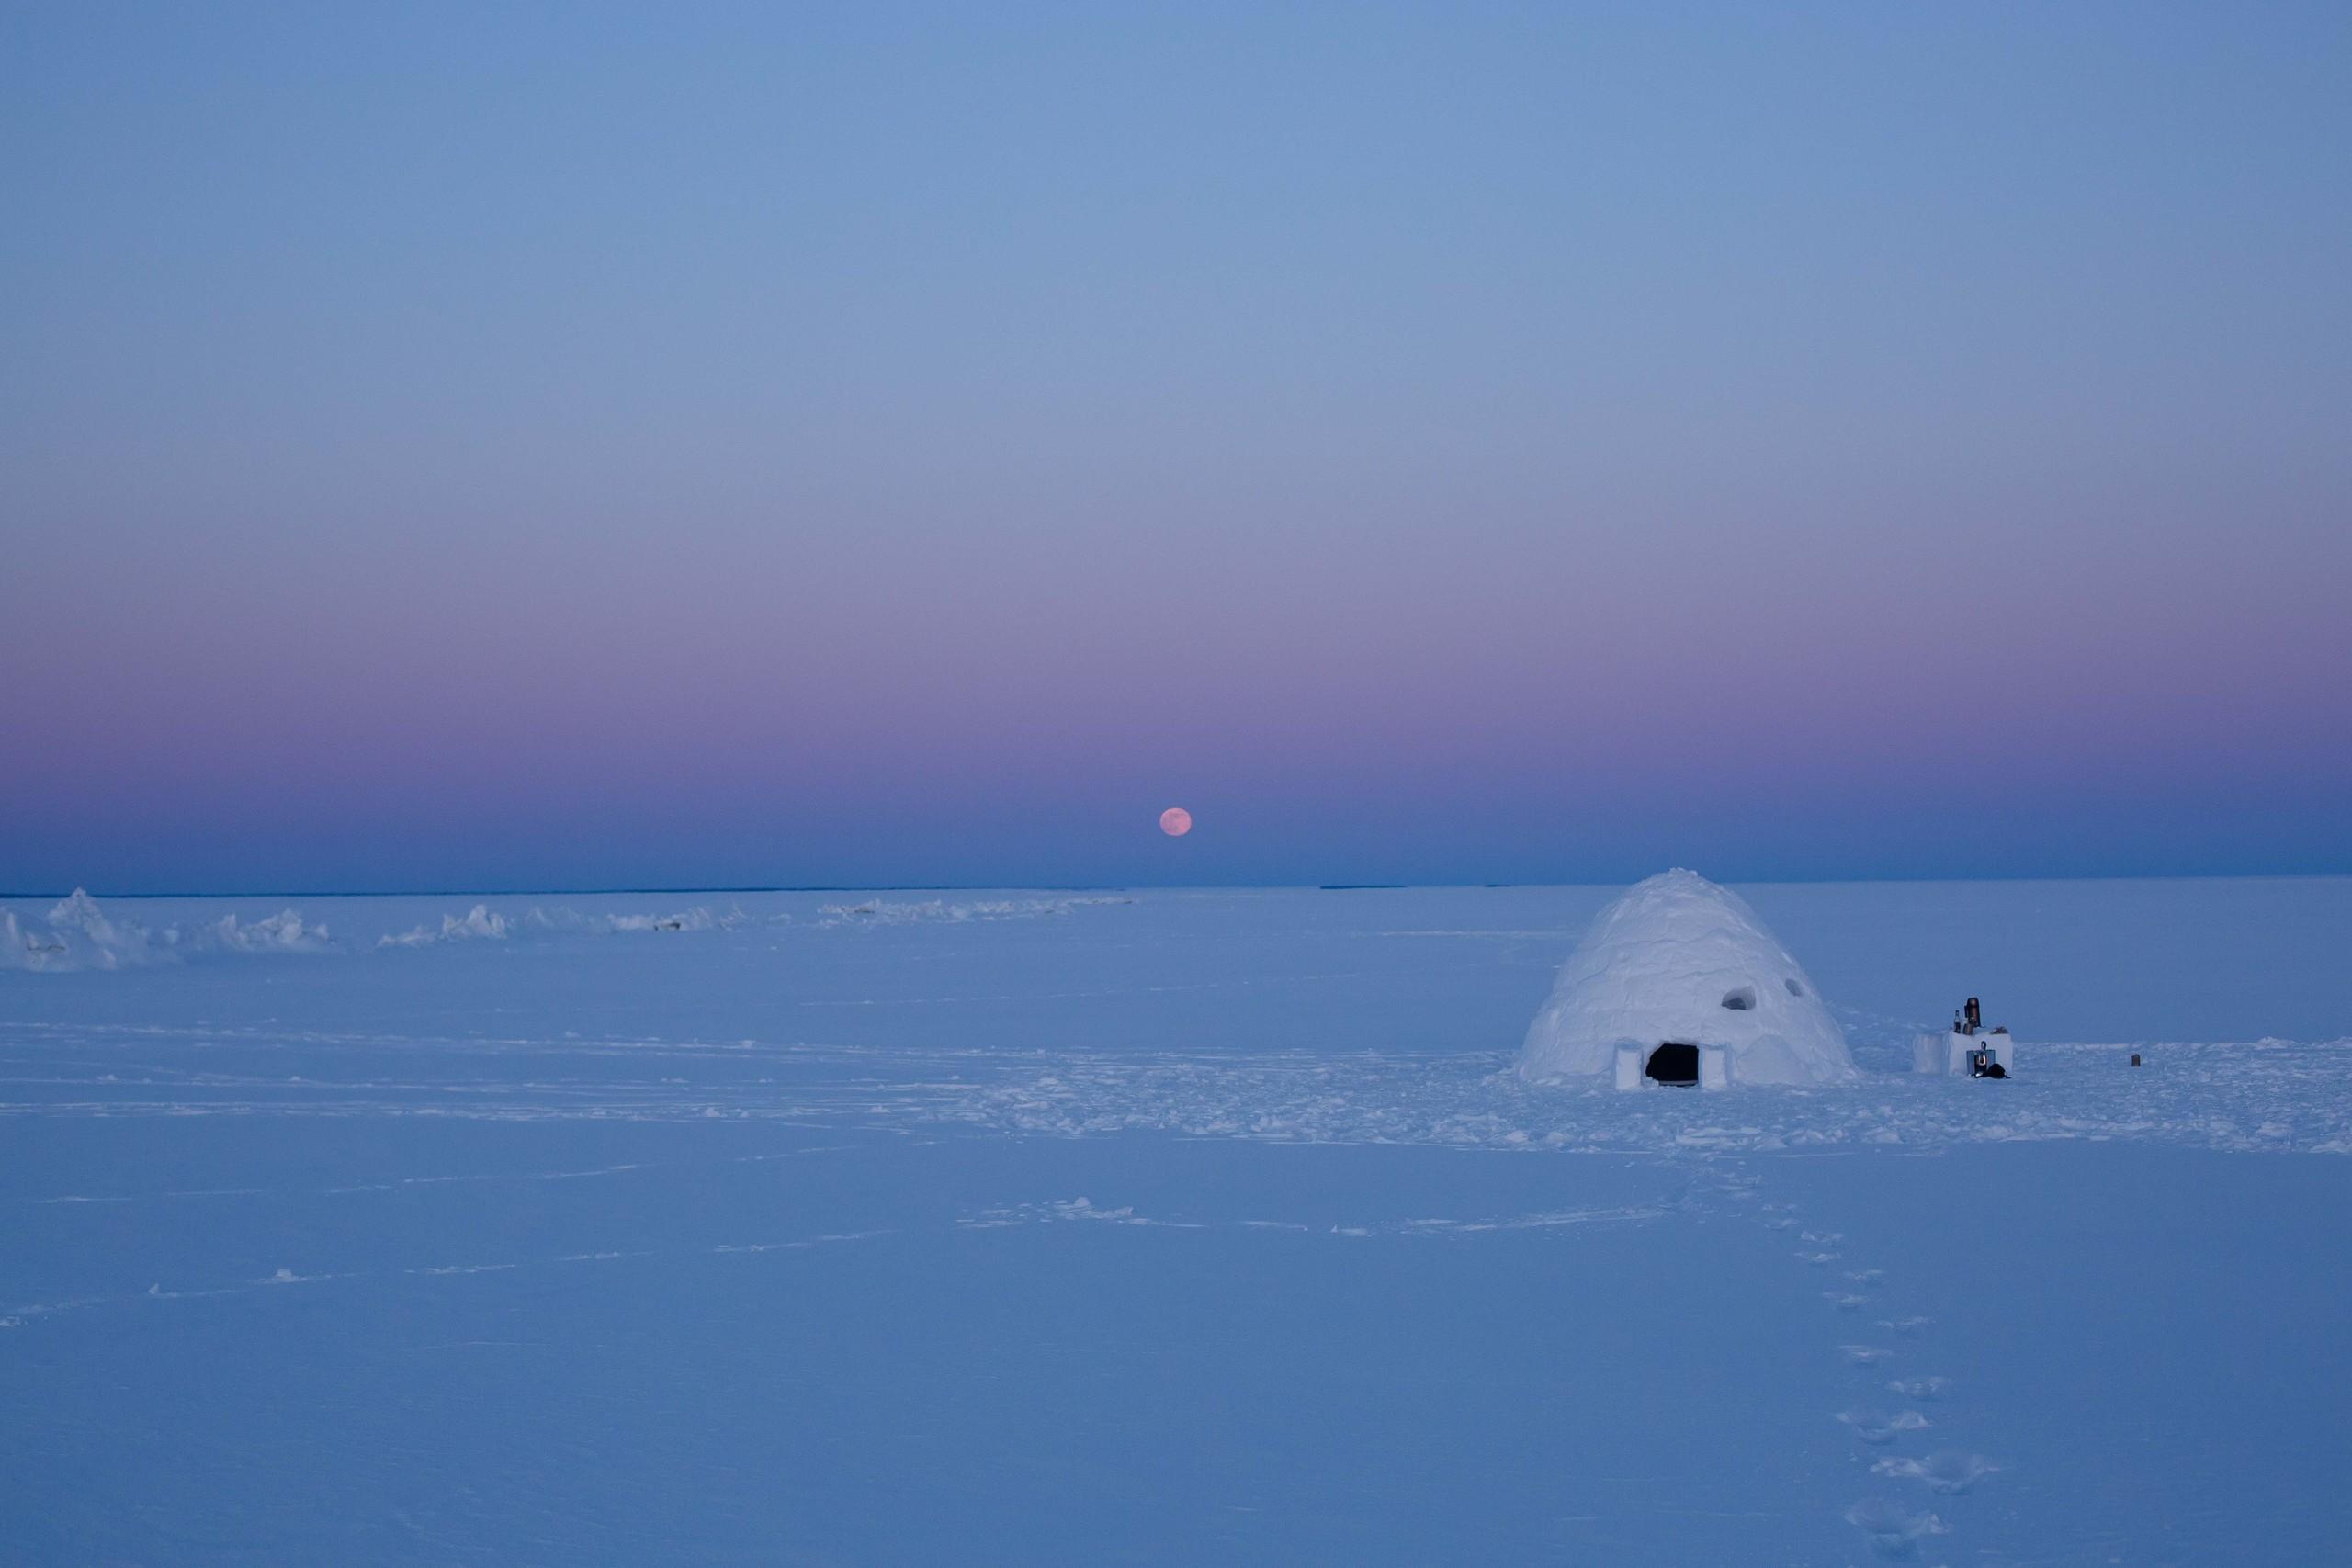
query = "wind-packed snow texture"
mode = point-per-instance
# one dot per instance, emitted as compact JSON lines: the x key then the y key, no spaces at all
{"x":1174,"y":1226}
{"x":1678,"y":959}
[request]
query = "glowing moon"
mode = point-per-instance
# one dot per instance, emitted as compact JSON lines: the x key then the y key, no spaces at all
{"x":1175,"y":821}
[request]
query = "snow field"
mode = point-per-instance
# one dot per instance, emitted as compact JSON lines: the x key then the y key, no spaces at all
{"x":898,"y":1239}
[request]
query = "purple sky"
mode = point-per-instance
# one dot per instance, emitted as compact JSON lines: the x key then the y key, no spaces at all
{"x":886,"y":446}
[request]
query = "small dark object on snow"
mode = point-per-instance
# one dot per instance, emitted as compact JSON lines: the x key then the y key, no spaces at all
{"x":1982,"y":1064}
{"x":2135,"y":1058}
{"x":1974,"y":1016}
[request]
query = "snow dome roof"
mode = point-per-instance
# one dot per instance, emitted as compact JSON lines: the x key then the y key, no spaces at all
{"x":1678,"y":959}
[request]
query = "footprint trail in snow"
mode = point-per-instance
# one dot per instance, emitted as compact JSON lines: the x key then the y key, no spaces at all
{"x":1895,"y":1525}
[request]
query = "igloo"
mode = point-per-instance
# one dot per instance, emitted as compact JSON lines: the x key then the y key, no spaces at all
{"x":1679,"y":982}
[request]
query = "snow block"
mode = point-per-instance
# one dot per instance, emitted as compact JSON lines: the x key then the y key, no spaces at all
{"x":1947,"y":1054}
{"x":1629,"y":1068}
{"x":1714,"y":1068}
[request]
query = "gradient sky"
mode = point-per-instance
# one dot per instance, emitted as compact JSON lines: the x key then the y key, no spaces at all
{"x":559,"y":447}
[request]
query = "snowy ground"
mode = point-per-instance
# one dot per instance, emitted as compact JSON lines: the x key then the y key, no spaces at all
{"x":1032,"y":1227}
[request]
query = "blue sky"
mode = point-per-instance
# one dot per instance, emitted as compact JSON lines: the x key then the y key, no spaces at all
{"x":568,"y":446}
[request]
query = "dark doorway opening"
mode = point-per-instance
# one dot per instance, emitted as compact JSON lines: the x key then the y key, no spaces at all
{"x":1674,"y":1064}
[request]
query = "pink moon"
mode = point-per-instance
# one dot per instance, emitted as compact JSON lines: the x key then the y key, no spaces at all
{"x":1175,"y":821}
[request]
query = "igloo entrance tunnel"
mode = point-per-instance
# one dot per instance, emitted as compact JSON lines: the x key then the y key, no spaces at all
{"x":1677,"y":982}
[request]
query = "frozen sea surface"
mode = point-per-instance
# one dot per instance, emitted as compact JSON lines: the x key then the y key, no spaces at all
{"x":1023,"y":1226}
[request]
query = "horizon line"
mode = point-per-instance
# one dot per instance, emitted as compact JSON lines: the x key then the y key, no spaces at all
{"x":1146,"y":886}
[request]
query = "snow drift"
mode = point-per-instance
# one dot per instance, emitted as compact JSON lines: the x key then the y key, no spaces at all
{"x":563,"y":917}
{"x":77,"y":934}
{"x":480,"y":923}
{"x":1679,"y":961}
